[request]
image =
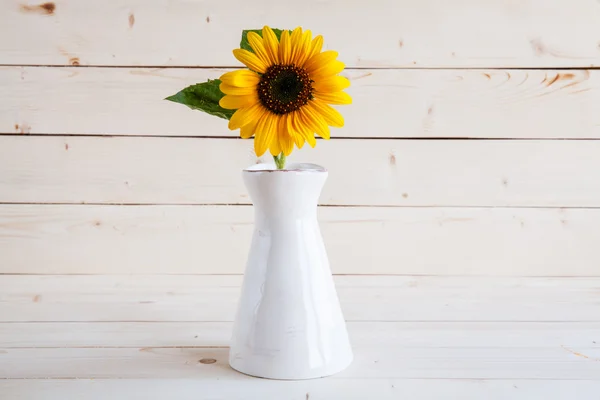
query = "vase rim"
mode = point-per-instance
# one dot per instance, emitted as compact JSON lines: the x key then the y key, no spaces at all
{"x":294,"y":167}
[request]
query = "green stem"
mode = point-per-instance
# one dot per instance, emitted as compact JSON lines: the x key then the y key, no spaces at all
{"x":280,"y":161}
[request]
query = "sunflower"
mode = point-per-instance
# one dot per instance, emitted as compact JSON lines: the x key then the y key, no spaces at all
{"x":283,"y":99}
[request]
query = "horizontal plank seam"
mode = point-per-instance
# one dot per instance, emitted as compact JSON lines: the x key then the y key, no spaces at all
{"x":549,"y":346}
{"x":236,"y":379}
{"x":415,"y":138}
{"x":227,"y":205}
{"x":409,"y":68}
{"x":320,"y":205}
{"x":149,"y":347}
{"x":108,"y":204}
{"x":356,"y":275}
{"x":350,"y":321}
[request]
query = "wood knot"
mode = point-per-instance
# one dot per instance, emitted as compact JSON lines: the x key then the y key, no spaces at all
{"x":566,"y":76}
{"x":208,"y":361}
{"x":45,"y":8}
{"x":23,"y":128}
{"x":207,"y":19}
{"x":405,"y":195}
{"x":131,"y":20}
{"x":392,"y":159}
{"x":538,"y":46}
{"x":74,"y":61}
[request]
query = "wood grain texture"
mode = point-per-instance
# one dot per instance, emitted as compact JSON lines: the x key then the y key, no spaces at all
{"x":443,"y":248}
{"x":361,"y":172}
{"x":237,"y":388}
{"x":75,"y":239}
{"x":471,"y":335}
{"x":369,"y":362}
{"x":387,"y":103}
{"x":364,"y":298}
{"x":430,"y":33}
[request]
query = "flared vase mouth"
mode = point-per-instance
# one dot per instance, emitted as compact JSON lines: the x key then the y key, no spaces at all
{"x":293,"y":167}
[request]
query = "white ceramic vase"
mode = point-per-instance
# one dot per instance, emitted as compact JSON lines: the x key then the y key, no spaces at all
{"x":289,"y":324}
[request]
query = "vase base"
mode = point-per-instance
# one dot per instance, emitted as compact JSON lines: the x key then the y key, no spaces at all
{"x":267,"y":371}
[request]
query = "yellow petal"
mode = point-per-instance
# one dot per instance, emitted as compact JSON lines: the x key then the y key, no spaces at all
{"x":241,"y":78}
{"x":327,"y":70}
{"x":303,"y":50}
{"x":303,"y":129}
{"x":332,"y":84}
{"x":295,"y":39}
{"x":251,"y":60}
{"x":315,"y":46}
{"x":332,"y":116}
{"x":285,"y":48}
{"x":271,"y":45}
{"x":292,"y":131}
{"x":247,"y":131}
{"x":318,"y":60}
{"x":236,"y":90}
{"x":286,"y":142}
{"x":244,"y":116}
{"x":334,"y":97}
{"x":256,"y":42}
{"x":265,"y":133}
{"x":231,"y":102}
{"x":274,"y":148}
{"x":315,"y":122}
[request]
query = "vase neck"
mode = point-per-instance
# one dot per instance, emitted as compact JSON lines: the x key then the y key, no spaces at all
{"x":285,"y":194}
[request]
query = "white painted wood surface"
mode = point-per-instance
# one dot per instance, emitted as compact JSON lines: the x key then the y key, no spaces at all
{"x":387,"y":103}
{"x":126,"y":170}
{"x":364,"y":298}
{"x":462,"y":334}
{"x":112,"y":239}
{"x":392,"y":357}
{"x":318,"y":389}
{"x":430,"y":33}
{"x":459,"y":334}
{"x":370,"y":362}
{"x":468,"y":268}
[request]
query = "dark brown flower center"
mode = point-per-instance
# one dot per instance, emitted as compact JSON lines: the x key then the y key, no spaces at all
{"x":284,"y":88}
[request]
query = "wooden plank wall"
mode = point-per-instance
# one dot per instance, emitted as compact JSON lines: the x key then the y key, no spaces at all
{"x":449,"y":164}
{"x":465,"y":181}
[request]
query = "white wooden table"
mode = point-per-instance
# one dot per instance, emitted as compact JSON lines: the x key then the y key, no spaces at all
{"x":417,"y":337}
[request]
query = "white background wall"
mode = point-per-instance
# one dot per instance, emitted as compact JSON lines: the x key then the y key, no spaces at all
{"x":448,"y":163}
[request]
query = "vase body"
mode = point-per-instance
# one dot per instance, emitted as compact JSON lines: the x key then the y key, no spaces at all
{"x":289,"y":324}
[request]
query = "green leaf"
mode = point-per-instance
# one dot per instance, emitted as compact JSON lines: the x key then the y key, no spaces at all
{"x":244,"y":43}
{"x":204,"y":97}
